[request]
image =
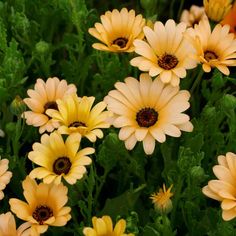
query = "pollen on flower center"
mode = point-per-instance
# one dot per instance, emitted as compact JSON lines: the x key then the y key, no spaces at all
{"x":146,"y":117}
{"x":167,"y":61}
{"x":61,"y":165}
{"x":77,"y":124}
{"x":209,"y":55}
{"x":42,"y":213}
{"x":121,"y":42}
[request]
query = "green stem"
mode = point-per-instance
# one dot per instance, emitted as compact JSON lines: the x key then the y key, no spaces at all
{"x":180,"y":9}
{"x":197,"y":81}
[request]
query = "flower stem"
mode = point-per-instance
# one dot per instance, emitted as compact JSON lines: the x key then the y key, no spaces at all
{"x":196,"y":81}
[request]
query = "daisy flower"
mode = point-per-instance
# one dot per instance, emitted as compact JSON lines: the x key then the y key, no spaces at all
{"x":5,"y":176}
{"x":44,"y":97}
{"x":165,"y":53}
{"x":58,"y":159}
{"x":118,"y":30}
{"x":147,"y":110}
{"x":230,"y":19}
{"x":223,"y":189}
{"x":213,"y":49}
{"x":103,"y":227}
{"x":44,"y":207}
{"x":76,"y":115}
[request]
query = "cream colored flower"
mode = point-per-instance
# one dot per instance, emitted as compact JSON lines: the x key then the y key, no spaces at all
{"x":148,"y":110}
{"x":44,"y":97}
{"x":165,"y":53}
{"x":5,"y":176}
{"x":118,"y":30}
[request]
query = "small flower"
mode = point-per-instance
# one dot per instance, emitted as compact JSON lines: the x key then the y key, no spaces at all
{"x":103,"y":227}
{"x":217,"y":9}
{"x":59,"y":159}
{"x":44,"y":207}
{"x":165,"y":53}
{"x":224,"y":188}
{"x":230,"y":19}
{"x":118,"y":31}
{"x":213,"y":49}
{"x":44,"y":97}
{"x":161,"y":199}
{"x":5,"y":176}
{"x":193,"y":16}
{"x":76,"y":115}
{"x":147,"y":110}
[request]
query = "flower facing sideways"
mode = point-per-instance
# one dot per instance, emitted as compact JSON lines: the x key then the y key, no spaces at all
{"x":44,"y":207}
{"x":147,"y":110}
{"x":5,"y":176}
{"x":58,"y":159}
{"x":223,"y":189}
{"x":118,"y":30}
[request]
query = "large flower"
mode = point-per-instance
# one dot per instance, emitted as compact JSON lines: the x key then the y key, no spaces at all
{"x":230,"y":19}
{"x":147,"y":110}
{"x":166,"y":52}
{"x":224,"y":188}
{"x":118,"y":31}
{"x":59,"y":159}
{"x":213,"y":49}
{"x":5,"y":176}
{"x":44,"y":207}
{"x":43,"y":97}
{"x":76,"y":115}
{"x":103,"y":227}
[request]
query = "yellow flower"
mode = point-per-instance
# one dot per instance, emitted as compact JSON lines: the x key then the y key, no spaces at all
{"x":118,"y":30}
{"x":147,"y":110}
{"x":76,"y":114}
{"x":161,"y":199}
{"x":59,"y":159}
{"x":166,"y":52}
{"x":8,"y":226}
{"x":217,"y":9}
{"x":213,"y":49}
{"x":44,"y":207}
{"x":104,"y":227}
{"x":5,"y":176}
{"x":193,"y":16}
{"x":43,"y":97}
{"x":224,"y":188}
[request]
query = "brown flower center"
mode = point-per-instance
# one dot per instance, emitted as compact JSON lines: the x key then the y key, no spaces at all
{"x":61,"y":165}
{"x":77,"y":124}
{"x":167,"y":61}
{"x":42,"y":213}
{"x":209,"y":55}
{"x":51,"y":105}
{"x":146,"y":117}
{"x":121,"y":42}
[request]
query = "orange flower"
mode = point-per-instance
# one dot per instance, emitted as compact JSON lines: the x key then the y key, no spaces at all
{"x":230,"y":19}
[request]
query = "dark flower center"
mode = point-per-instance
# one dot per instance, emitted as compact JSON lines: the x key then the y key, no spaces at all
{"x":51,"y":105}
{"x":42,"y":213}
{"x":121,"y":42}
{"x":146,"y":117}
{"x":77,"y":124}
{"x":209,"y":55}
{"x":167,"y":61}
{"x":61,"y":165}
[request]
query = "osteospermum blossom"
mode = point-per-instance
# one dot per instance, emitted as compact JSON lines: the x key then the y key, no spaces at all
{"x":223,"y":189}
{"x":147,"y":110}
{"x":44,"y":207}
{"x":59,"y":159}
{"x":165,"y":53}
{"x":118,"y":30}
{"x":230,"y":19}
{"x":76,"y":115}
{"x":5,"y":176}
{"x":44,"y":97}
{"x":213,"y":49}
{"x":161,"y":199}
{"x":103,"y":227}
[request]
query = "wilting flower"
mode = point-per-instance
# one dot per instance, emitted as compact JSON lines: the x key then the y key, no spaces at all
{"x":230,"y":19}
{"x":213,"y":49}
{"x":44,"y":97}
{"x":224,"y":188}
{"x":5,"y":176}
{"x":76,"y":115}
{"x":161,"y":199}
{"x":8,"y":226}
{"x":44,"y":207}
{"x":103,"y":227}
{"x":59,"y":159}
{"x":193,"y":16}
{"x":166,"y":52}
{"x":147,"y":110}
{"x":217,"y":9}
{"x":118,"y":30}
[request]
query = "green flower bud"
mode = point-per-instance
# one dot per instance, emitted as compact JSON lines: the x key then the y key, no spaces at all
{"x":228,"y":101}
{"x":148,"y":4}
{"x":42,"y":47}
{"x":17,"y":106}
{"x":197,"y":173}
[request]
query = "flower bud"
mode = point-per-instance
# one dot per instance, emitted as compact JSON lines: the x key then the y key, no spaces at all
{"x":17,"y":106}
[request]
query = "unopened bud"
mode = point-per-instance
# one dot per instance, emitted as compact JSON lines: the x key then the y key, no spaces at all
{"x":17,"y":106}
